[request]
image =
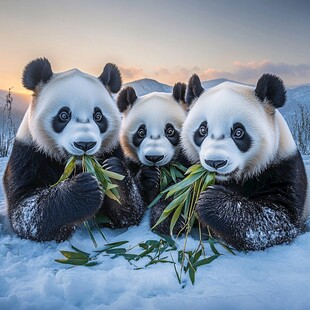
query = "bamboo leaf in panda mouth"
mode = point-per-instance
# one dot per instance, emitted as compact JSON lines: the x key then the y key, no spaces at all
{"x":69,"y":168}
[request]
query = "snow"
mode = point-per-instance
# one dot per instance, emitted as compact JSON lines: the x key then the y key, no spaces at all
{"x":277,"y":278}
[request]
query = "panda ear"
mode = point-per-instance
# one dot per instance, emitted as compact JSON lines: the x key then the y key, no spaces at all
{"x":126,"y":98}
{"x":111,"y":78}
{"x":270,"y":87}
{"x":178,"y":92}
{"x":36,"y":71}
{"x":194,"y":89}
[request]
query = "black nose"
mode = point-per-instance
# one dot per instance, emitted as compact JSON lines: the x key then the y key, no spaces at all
{"x":84,"y":146}
{"x":216,"y":163}
{"x":154,"y":158}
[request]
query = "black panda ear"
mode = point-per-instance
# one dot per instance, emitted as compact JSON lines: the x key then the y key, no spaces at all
{"x":111,"y":78}
{"x":126,"y":98}
{"x":194,"y":89}
{"x":178,"y":92}
{"x":271,"y":87}
{"x":36,"y":71}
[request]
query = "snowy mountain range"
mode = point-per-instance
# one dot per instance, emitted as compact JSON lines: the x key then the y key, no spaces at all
{"x":295,"y":95}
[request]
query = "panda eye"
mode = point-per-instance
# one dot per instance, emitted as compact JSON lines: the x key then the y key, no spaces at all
{"x":64,"y":115}
{"x":170,"y":131}
{"x":238,"y":133}
{"x":141,"y":132}
{"x":98,"y":116}
{"x":203,"y":130}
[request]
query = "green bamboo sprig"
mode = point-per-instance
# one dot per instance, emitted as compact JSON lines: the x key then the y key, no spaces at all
{"x":105,"y":177}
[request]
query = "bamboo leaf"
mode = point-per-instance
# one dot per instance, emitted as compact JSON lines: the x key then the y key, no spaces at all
{"x":190,"y":179}
{"x":175,"y":217}
{"x":79,"y":251}
{"x":87,"y":162}
{"x":206,"y":261}
{"x":194,"y":169}
{"x":109,"y":246}
{"x":77,"y":255}
{"x":112,"y":196}
{"x":102,"y":219}
{"x":90,"y":234}
{"x":158,"y":197}
{"x":113,"y":175}
{"x":191,"y":273}
{"x":172,"y":173}
{"x":70,"y":166}
{"x":75,"y":261}
{"x":116,"y":251}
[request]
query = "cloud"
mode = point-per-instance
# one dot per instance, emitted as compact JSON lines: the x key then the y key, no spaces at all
{"x":251,"y":71}
{"x":131,"y":74}
{"x":241,"y":72}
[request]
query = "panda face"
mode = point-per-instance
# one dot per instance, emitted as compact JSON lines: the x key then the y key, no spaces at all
{"x":74,"y":114}
{"x":150,"y":131}
{"x":230,"y":133}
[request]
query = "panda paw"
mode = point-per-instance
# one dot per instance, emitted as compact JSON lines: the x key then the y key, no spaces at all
{"x":115,"y":164}
{"x":150,"y":177}
{"x":211,"y":204}
{"x":85,"y":195}
{"x":149,"y":180}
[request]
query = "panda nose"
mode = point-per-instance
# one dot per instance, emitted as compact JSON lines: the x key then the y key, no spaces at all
{"x":154,"y":158}
{"x":216,"y":164}
{"x":84,"y":146}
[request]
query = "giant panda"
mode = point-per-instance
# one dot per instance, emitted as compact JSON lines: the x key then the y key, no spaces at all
{"x":150,"y":137}
{"x":72,"y":113}
{"x":236,"y":131}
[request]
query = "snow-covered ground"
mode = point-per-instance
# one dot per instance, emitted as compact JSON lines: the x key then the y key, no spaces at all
{"x":278,"y":278}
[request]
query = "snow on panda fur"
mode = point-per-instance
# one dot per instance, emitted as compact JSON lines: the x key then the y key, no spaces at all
{"x":260,"y":196}
{"x":72,"y":113}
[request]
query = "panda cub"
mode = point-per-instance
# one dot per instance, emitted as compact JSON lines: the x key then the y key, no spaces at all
{"x":259,"y":198}
{"x":150,"y":136}
{"x":72,"y":113}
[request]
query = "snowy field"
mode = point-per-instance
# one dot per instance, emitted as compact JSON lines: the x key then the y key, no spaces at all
{"x":278,"y":278}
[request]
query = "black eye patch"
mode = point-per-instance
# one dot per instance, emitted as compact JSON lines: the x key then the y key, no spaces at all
{"x":172,"y":134}
{"x":139,"y":135}
{"x":241,"y":138}
{"x":61,"y":119}
{"x":201,"y":133}
{"x":100,"y":120}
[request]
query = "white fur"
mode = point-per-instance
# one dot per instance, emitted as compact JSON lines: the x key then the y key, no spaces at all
{"x":81,"y":93}
{"x":221,"y":107}
{"x":154,"y":110}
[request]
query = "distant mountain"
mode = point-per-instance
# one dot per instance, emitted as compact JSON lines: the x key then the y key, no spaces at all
{"x":145,"y":86}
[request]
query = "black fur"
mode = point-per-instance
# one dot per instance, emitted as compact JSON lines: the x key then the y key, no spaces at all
{"x":198,"y":137}
{"x":126,"y":98}
{"x":194,"y":89}
{"x":136,"y":139}
{"x":103,"y":123}
{"x":111,"y":78}
{"x":269,"y":207}
{"x":40,"y":212}
{"x":271,"y":88}
{"x":175,"y":138}
{"x":178,"y":92}
{"x":243,"y":144}
{"x":59,"y":124}
{"x":36,"y":71}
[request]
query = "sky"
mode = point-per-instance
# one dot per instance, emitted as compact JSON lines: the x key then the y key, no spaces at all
{"x":167,"y":40}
